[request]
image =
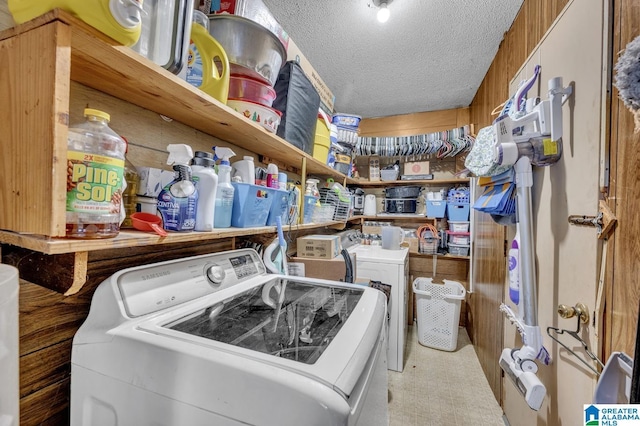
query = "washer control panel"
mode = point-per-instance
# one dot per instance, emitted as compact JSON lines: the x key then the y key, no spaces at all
{"x":151,"y":288}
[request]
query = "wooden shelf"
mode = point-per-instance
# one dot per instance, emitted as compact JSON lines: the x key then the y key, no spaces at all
{"x":391,"y":216}
{"x":367,"y":183}
{"x":132,"y":238}
{"x":444,"y":256}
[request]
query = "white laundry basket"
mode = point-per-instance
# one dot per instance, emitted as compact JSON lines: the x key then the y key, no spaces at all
{"x":438,"y":310}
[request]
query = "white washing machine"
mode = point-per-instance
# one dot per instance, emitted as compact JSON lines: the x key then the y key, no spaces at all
{"x":390,"y":267}
{"x":215,"y":340}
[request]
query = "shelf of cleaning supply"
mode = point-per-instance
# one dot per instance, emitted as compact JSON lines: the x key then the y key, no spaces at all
{"x":433,"y":182}
{"x":132,"y":238}
{"x":65,"y":50}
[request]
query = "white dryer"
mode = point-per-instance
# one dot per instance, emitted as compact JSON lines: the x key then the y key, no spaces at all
{"x":215,"y":340}
{"x":390,"y":267}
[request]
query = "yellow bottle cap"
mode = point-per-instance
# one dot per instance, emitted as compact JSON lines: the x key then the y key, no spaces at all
{"x":97,"y":113}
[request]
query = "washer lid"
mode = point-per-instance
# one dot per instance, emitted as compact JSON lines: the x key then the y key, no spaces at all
{"x":285,"y":318}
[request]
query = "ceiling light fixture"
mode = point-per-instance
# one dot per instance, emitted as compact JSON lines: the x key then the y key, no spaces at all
{"x":383,"y":12}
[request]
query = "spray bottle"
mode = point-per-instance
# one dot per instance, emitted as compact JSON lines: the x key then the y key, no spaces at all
{"x":224,"y":195}
{"x":206,"y":180}
{"x":177,"y":201}
{"x":514,"y":268}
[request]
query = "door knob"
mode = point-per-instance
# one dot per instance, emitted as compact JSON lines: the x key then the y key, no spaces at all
{"x":579,"y":310}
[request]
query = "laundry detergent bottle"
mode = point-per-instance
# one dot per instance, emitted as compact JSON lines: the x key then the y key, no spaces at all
{"x":204,"y":52}
{"x":119,"y":19}
{"x":206,"y":180}
{"x":225,"y":193}
{"x":178,"y":200}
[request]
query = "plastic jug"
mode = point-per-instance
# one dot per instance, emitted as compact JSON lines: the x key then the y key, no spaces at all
{"x":245,"y":169}
{"x":392,"y":237}
{"x":370,"y":205}
{"x":166,"y":32}
{"x":204,"y":51}
{"x":119,"y":19}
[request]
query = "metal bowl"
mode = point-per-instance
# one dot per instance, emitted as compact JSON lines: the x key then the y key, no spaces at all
{"x":252,"y":49}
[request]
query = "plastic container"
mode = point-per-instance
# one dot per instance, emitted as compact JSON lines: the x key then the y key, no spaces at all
{"x":388,"y":175}
{"x":322,"y":141}
{"x":251,"y":205}
{"x":267,"y":117}
{"x":459,"y":249}
{"x":460,"y":238}
{"x":458,"y":226}
{"x":146,"y":204}
{"x":206,"y":181}
{"x":458,"y":212}
{"x":94,"y":187}
{"x":204,"y":52}
{"x":250,"y":89}
{"x":224,"y":198}
{"x":132,"y":178}
{"x":279,"y":206}
{"x":246,"y":169}
{"x":347,"y":120}
{"x":310,"y":203}
{"x":438,"y":312}
{"x":436,"y":209}
{"x":119,"y":19}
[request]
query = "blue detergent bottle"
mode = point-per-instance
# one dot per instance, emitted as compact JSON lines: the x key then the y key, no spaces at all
{"x":178,"y":200}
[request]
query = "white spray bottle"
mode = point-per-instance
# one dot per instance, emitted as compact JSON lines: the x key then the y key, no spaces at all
{"x":225,"y":192}
{"x":177,"y":201}
{"x":206,"y":180}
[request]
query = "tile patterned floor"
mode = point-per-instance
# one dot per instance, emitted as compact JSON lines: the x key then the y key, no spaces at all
{"x":441,"y":388}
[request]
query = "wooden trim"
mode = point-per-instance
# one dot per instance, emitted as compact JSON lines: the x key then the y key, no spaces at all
{"x":414,"y":124}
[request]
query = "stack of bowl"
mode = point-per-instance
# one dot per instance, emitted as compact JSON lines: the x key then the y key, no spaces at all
{"x":255,"y":58}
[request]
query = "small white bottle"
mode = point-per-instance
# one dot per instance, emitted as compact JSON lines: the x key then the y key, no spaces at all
{"x":225,"y":192}
{"x":244,"y":168}
{"x":206,"y":180}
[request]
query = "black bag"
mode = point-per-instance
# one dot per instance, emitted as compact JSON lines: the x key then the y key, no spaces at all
{"x":298,"y":101}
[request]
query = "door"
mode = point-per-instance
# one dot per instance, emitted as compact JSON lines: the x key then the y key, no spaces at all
{"x":567,"y":256}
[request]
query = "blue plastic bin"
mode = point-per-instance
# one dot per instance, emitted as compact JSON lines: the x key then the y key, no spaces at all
{"x":251,"y":205}
{"x":436,"y":208}
{"x":458,"y":212}
{"x":309,"y":207}
{"x":279,"y":206}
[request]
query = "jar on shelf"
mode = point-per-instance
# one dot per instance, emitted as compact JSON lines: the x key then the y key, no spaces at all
{"x":95,"y":172}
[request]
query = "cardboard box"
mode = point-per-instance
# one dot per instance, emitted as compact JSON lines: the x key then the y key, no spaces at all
{"x":319,"y":246}
{"x":326,"y":269}
{"x":413,"y":168}
{"x":153,"y":180}
{"x":372,"y":230}
{"x":412,"y":243}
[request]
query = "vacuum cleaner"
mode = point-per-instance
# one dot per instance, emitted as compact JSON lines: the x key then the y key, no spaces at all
{"x":533,"y":138}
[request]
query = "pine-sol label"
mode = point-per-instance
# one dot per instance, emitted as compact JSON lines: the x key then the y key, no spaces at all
{"x":94,"y":183}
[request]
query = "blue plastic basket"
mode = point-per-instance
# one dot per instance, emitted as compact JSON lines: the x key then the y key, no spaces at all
{"x":279,"y":206}
{"x":436,"y":209}
{"x":251,"y":205}
{"x":458,"y":196}
{"x":458,"y":212}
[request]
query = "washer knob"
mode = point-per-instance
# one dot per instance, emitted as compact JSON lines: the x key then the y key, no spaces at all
{"x":215,"y":274}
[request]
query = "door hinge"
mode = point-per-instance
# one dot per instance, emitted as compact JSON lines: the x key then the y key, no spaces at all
{"x":603,"y":222}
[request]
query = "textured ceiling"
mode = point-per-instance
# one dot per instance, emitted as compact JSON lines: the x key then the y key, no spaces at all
{"x":430,"y":55}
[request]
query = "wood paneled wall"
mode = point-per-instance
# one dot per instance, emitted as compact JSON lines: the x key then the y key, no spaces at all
{"x":623,"y":268}
{"x":415,"y":124}
{"x":533,"y":20}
